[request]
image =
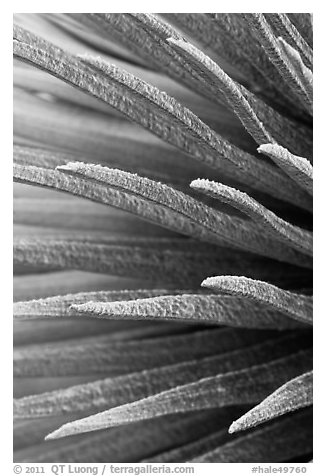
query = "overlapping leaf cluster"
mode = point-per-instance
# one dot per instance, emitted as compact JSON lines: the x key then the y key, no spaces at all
{"x":164,"y":301}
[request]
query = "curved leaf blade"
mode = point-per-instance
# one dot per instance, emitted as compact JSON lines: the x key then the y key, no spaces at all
{"x":222,"y":390}
{"x":295,"y":394}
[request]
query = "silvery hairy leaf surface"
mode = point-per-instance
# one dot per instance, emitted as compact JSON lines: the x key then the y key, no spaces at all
{"x":163,"y":241}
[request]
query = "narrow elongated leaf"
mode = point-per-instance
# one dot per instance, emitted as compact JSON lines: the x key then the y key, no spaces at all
{"x":99,"y":355}
{"x":123,"y":145}
{"x":108,"y":393}
{"x":286,"y":29}
{"x":162,"y":360}
{"x":120,"y":445}
{"x":95,"y":137}
{"x":50,"y":330}
{"x":245,"y":41}
{"x":244,"y":163}
{"x":116,"y":141}
{"x":280,"y":229}
{"x":64,"y":32}
{"x":144,"y":208}
{"x":296,"y":306}
{"x":148,"y":210}
{"x":147,"y":189}
{"x":37,"y":80}
{"x":178,"y":262}
{"x":145,"y":34}
{"x":200,"y":28}
{"x":83,"y":78}
{"x":230,"y":231}
{"x":295,"y":394}
{"x":136,"y":258}
{"x":123,"y":91}
{"x":280,"y":441}
{"x":214,"y":76}
{"x":251,"y":110}
{"x":237,"y":51}
{"x":155,"y":212}
{"x":157,"y":32}
{"x":99,"y":138}
{"x":298,"y":66}
{"x":298,"y":168}
{"x":206,"y":309}
{"x":59,"y":306}
{"x":222,"y":390}
{"x":273,"y":48}
{"x":161,"y":261}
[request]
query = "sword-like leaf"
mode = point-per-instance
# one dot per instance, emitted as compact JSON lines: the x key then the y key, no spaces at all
{"x":295,"y":394}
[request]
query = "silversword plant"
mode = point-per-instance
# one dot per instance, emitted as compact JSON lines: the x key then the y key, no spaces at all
{"x":163,"y":237}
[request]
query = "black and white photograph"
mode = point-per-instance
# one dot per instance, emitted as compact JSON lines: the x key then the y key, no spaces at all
{"x":162,"y":241}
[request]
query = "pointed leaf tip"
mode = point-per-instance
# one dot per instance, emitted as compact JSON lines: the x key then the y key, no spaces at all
{"x":295,"y":306}
{"x":231,"y":388}
{"x":293,"y":395}
{"x":269,"y":223}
